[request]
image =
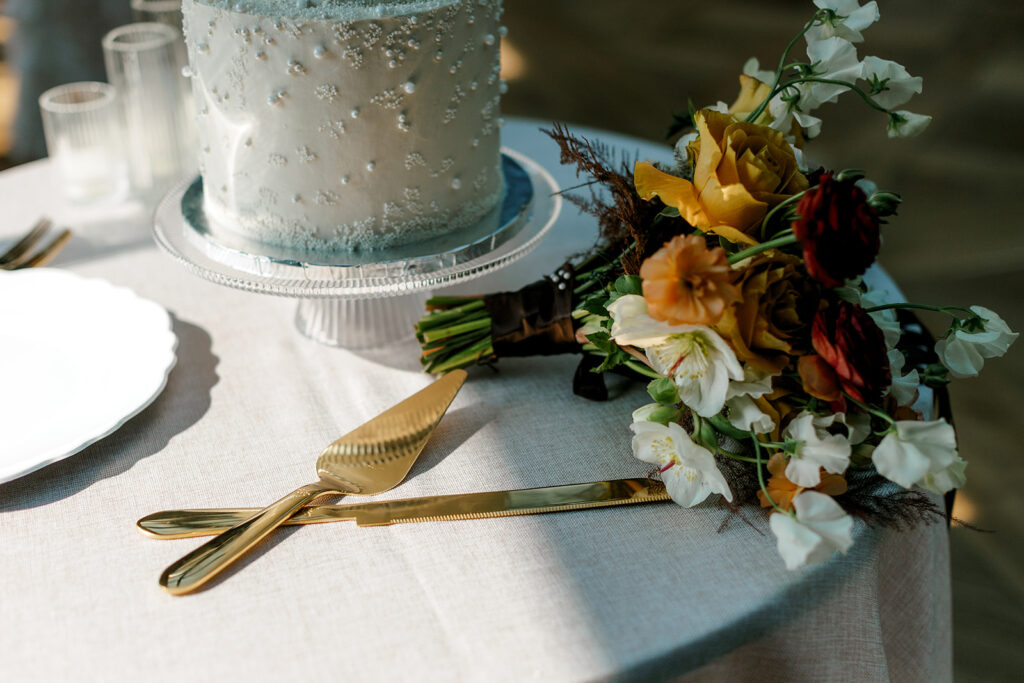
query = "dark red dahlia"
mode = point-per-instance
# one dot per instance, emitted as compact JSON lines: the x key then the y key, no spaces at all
{"x":838,"y":230}
{"x":846,"y":337}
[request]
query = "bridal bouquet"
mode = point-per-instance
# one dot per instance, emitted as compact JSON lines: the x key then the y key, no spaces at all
{"x":732,"y":280}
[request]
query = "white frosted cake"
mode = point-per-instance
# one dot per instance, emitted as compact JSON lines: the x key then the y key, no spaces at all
{"x":346,"y":124}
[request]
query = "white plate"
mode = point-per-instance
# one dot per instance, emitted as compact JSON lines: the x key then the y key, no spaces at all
{"x":78,"y":358}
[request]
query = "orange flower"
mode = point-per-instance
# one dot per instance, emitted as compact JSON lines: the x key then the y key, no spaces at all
{"x":783,"y":491}
{"x":685,"y":283}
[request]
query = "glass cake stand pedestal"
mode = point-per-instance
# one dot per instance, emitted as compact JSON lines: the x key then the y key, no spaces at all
{"x":361,"y":299}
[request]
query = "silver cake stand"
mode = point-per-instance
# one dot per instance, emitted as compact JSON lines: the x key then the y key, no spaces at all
{"x":360,"y":299}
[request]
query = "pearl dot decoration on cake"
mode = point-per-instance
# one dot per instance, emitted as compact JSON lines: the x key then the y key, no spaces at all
{"x":418,"y":83}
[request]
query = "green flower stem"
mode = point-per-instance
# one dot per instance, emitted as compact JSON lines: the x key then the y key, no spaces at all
{"x":467,"y":357}
{"x":781,"y":69}
{"x":868,"y":409}
{"x":784,"y":239}
{"x":640,"y":368}
{"x":441,"y":317}
{"x":832,"y":81}
{"x":760,"y":476}
{"x":439,"y":335}
{"x":780,"y":205}
{"x":924,"y":307}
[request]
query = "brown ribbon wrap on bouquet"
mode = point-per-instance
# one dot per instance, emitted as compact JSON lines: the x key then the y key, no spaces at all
{"x":536,"y":320}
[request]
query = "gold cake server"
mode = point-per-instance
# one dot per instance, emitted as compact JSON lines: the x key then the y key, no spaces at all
{"x":189,"y":523}
{"x":372,"y":458}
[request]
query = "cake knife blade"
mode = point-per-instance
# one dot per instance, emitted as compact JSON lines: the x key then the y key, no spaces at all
{"x":208,"y":522}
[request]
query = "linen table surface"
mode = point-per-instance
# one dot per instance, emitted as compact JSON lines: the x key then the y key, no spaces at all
{"x":639,"y":592}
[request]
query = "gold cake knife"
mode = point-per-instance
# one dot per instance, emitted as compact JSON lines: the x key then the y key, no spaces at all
{"x":208,"y":522}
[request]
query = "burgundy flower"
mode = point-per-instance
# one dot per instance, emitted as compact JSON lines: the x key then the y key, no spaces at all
{"x":838,"y":230}
{"x":852,"y":344}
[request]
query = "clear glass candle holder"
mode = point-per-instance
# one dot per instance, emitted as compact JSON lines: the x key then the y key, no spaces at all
{"x":145,"y":62}
{"x":83,"y":127}
{"x":161,"y":11}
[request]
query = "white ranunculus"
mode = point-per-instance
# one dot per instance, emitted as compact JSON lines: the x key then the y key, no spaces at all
{"x":818,"y":529}
{"x":816,"y":448}
{"x":891,"y":79}
{"x":915,"y":451}
{"x":907,"y":124}
{"x":904,"y":387}
{"x":964,"y":353}
{"x":688,"y":469}
{"x":699,"y":361}
{"x":847,"y":21}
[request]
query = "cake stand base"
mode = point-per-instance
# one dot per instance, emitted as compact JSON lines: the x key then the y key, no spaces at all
{"x":371,"y":298}
{"x":360,"y":323}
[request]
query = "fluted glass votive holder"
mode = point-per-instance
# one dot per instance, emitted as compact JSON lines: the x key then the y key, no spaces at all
{"x":83,"y":128}
{"x":145,"y":62}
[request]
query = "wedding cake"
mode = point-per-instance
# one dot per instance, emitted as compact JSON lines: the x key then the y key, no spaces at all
{"x":346,"y":124}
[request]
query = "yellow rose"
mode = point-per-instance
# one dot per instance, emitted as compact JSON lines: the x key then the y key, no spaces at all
{"x":741,"y":170}
{"x":770,"y":322}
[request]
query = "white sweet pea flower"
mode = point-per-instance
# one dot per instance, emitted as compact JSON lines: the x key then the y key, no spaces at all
{"x":964,"y":353}
{"x":889,"y":81}
{"x":834,"y":59}
{"x":818,"y":529}
{"x":915,"y":451}
{"x":885,"y":319}
{"x":752,"y":68}
{"x":755,"y":383}
{"x":858,"y":425}
{"x":792,"y":103}
{"x":907,"y":124}
{"x":694,"y":356}
{"x":816,"y":448}
{"x":688,"y":470}
{"x":744,"y":414}
{"x":953,"y":477}
{"x":846,"y":20}
{"x":904,"y":387}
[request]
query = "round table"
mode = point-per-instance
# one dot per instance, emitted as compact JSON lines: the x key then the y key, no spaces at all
{"x":639,"y":592}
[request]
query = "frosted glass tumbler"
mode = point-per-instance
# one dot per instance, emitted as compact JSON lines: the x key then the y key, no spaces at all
{"x":161,"y":11}
{"x":145,"y":63}
{"x":83,"y":128}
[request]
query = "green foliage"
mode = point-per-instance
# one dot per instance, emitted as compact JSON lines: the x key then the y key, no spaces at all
{"x":665,"y":414}
{"x":629,"y":284}
{"x":614,"y":356}
{"x":663,"y":391}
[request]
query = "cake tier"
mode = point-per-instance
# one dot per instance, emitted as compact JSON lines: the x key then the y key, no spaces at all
{"x":345,"y":124}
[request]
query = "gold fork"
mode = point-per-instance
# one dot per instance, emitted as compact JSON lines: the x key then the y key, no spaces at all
{"x":20,"y":255}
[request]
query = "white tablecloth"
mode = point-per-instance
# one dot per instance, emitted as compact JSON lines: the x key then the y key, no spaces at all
{"x":651,"y":591}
